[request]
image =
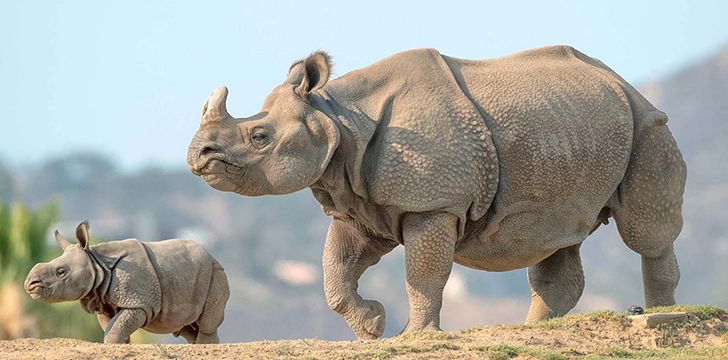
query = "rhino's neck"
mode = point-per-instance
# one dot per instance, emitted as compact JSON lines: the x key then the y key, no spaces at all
{"x":361,"y":113}
{"x":95,"y":299}
{"x":345,"y":166}
{"x":360,"y":104}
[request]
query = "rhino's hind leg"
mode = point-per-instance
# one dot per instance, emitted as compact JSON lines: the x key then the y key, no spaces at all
{"x":213,"y":313}
{"x":660,"y":276}
{"x":557,"y":283}
{"x":348,"y":252}
{"x":648,"y":210}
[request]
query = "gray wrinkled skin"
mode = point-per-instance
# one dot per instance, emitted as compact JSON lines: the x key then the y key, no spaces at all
{"x":496,"y":165}
{"x":171,"y":286}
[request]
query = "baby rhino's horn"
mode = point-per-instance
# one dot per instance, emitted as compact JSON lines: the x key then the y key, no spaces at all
{"x":62,"y":242}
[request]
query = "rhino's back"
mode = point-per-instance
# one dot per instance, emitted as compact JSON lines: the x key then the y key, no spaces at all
{"x":185,"y":270}
{"x":558,"y":122}
{"x":562,"y":124}
{"x":428,"y":147}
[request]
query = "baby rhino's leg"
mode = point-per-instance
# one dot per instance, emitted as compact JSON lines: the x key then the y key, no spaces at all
{"x":213,"y":313}
{"x":123,"y":324}
{"x":103,"y":321}
{"x":189,"y":333}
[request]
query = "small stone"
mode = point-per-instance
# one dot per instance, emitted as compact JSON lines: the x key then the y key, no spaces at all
{"x":652,"y":320}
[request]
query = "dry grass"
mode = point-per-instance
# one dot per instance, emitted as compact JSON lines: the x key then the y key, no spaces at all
{"x":702,"y":311}
{"x":597,"y":335}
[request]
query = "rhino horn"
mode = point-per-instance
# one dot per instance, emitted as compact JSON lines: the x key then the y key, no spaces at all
{"x":62,"y":242}
{"x":215,"y":109}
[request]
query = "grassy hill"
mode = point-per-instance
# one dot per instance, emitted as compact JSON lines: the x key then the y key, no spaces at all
{"x":596,"y":335}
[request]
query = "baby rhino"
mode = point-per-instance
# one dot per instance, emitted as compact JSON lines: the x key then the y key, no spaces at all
{"x":171,"y":286}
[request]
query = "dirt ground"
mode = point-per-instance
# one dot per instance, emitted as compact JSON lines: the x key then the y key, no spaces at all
{"x":596,"y":335}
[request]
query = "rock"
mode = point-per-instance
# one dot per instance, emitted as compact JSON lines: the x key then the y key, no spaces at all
{"x":652,"y":320}
{"x":635,"y":310}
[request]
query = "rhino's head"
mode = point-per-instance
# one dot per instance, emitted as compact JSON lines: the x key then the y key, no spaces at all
{"x":284,"y":148}
{"x":67,"y":277}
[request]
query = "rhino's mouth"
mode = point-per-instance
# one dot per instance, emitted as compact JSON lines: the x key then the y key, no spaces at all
{"x":35,"y":284}
{"x":36,"y":289}
{"x":217,"y":164}
{"x":221,"y":167}
{"x":222,"y":175}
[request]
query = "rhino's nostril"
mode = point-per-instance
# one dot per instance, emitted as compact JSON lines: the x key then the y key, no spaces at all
{"x":207,"y":150}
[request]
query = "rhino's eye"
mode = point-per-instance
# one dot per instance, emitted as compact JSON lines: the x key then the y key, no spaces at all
{"x":61,"y":272}
{"x":259,"y":138}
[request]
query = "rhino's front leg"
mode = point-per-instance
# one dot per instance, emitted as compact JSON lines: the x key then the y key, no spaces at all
{"x":123,"y":324}
{"x":429,"y":243}
{"x":348,"y":252}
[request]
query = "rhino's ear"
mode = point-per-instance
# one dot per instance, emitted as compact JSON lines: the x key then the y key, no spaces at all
{"x":82,"y":235}
{"x":62,"y":242}
{"x":310,"y":73}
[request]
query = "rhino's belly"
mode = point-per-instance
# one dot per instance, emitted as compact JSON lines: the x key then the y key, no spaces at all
{"x":157,"y":327}
{"x":176,"y":319}
{"x":523,"y":235}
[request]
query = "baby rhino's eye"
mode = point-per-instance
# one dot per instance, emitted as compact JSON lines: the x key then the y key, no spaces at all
{"x":61,"y":272}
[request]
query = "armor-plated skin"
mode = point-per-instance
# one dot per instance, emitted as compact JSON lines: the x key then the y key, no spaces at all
{"x":496,"y":165}
{"x":172,"y":286}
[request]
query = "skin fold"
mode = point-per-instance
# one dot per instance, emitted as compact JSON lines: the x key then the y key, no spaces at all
{"x":172,"y":286}
{"x":494,"y":164}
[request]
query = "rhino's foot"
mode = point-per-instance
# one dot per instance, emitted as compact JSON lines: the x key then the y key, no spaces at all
{"x":367,"y":320}
{"x":415,"y":329}
{"x":211,"y":338}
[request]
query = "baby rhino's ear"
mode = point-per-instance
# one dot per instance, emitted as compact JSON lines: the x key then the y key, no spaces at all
{"x":82,"y":235}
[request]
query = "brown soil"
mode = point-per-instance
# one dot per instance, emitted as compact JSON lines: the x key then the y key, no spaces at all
{"x":596,"y":335}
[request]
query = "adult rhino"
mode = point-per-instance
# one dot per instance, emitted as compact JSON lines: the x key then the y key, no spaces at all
{"x":496,"y":165}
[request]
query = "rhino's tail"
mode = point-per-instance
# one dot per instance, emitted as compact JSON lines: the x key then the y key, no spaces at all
{"x":216,"y":265}
{"x":643,"y":112}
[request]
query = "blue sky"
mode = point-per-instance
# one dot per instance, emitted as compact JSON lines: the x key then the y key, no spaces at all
{"x":129,"y":78}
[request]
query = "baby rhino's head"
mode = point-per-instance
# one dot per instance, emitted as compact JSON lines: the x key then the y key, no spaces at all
{"x":67,"y":277}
